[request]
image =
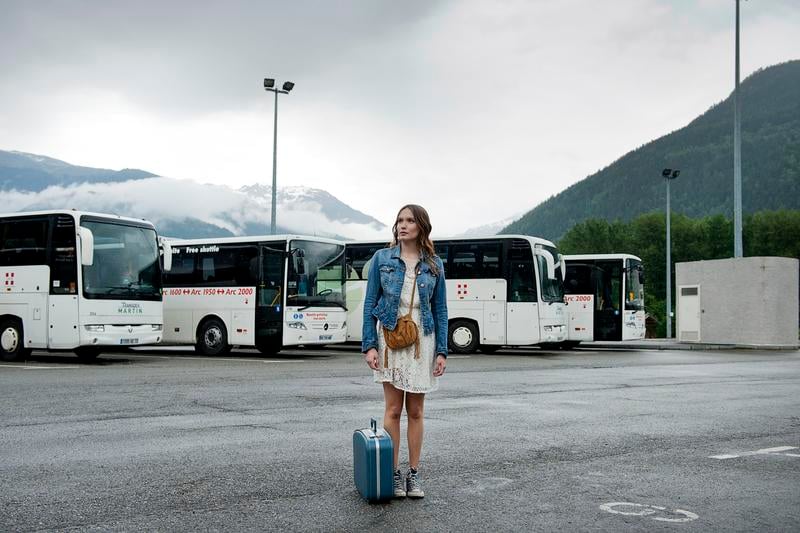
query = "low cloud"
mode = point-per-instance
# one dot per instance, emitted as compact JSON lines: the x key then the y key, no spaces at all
{"x":163,"y":200}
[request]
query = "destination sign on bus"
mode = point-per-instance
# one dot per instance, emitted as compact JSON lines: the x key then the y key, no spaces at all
{"x":201,"y":250}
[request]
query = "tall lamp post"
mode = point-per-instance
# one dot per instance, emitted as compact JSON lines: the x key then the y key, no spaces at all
{"x":669,"y":174}
{"x":737,"y":155}
{"x":269,"y":85}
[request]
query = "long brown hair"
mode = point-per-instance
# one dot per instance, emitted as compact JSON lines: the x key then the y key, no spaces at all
{"x":424,"y":241}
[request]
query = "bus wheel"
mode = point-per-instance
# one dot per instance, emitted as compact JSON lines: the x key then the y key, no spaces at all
{"x":87,"y":353}
{"x":212,"y":338}
{"x":490,"y":348}
{"x":269,"y":347}
{"x":11,"y":340}
{"x":463,"y":336}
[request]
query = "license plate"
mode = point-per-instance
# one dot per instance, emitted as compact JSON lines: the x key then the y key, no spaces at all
{"x":325,"y":337}
{"x":129,"y":341}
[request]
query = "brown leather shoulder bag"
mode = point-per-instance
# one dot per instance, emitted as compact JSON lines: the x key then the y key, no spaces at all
{"x":404,"y":334}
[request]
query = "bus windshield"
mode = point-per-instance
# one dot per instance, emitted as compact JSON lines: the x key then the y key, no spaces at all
{"x":552,"y":289}
{"x":316,"y":274}
{"x":125,"y":263}
{"x":634,"y":274}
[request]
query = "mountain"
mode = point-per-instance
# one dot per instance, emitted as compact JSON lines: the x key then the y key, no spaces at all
{"x":30,"y":172}
{"x":178,"y":208}
{"x":492,"y":228}
{"x":323,"y":201}
{"x":703,"y":151}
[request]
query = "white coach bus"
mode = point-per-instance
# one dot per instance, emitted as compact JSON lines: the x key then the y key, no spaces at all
{"x":605,"y":297}
{"x":78,"y":281}
{"x":267,"y":292}
{"x":501,"y":290}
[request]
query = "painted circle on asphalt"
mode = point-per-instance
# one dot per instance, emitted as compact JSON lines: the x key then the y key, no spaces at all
{"x":640,"y":509}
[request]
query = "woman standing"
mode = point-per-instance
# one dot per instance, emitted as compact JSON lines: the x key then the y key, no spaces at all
{"x":406,"y":278}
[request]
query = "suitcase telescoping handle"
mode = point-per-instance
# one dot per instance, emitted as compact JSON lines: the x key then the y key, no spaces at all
{"x":374,"y":425}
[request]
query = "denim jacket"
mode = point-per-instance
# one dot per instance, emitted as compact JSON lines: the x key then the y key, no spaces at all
{"x":382,"y":300}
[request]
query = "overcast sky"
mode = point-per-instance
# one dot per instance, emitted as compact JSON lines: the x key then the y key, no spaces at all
{"x":475,"y":109}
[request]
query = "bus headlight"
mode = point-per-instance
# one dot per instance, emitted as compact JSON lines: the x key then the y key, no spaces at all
{"x":548,"y":328}
{"x":296,"y":325}
{"x":344,"y":324}
{"x":97,"y":328}
{"x":156,"y":327}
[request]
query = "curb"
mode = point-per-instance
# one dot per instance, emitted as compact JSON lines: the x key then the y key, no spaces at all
{"x":687,"y":346}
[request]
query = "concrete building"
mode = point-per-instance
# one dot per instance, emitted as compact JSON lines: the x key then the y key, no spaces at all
{"x":749,"y":301}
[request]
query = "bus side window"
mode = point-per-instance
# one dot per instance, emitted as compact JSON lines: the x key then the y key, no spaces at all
{"x":442,"y":251}
{"x":208,"y":270}
{"x":23,"y":242}
{"x":63,"y":269}
{"x":522,"y":286}
{"x":358,"y":257}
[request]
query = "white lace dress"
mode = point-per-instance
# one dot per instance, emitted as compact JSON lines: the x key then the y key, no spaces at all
{"x":404,"y":371}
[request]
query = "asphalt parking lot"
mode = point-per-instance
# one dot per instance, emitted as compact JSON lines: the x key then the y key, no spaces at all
{"x":586,"y":440}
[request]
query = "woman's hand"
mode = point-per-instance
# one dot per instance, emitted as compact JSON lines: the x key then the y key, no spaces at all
{"x":371,"y":357}
{"x":441,"y":364}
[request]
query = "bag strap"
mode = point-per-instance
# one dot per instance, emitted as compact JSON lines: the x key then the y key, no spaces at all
{"x":413,"y":291}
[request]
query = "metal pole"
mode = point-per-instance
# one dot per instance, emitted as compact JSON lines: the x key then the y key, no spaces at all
{"x":737,"y":155}
{"x":669,"y":272}
{"x":274,"y":167}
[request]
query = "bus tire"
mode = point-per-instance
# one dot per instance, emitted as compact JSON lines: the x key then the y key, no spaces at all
{"x":87,"y":353}
{"x":462,"y":336}
{"x":11,"y":339}
{"x":490,"y":348}
{"x":212,"y":338}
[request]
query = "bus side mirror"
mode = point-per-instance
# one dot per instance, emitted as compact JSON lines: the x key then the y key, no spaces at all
{"x":166,"y":249}
{"x":87,"y":246}
{"x":551,"y":262}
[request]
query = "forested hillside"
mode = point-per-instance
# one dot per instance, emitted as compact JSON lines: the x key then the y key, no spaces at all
{"x":703,"y":150}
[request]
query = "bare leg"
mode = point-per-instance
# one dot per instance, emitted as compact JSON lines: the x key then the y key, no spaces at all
{"x":393,"y":401}
{"x":415,"y":404}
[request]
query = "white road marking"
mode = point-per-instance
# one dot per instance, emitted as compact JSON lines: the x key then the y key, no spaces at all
{"x":30,"y":367}
{"x":644,"y":510}
{"x":765,"y":451}
{"x":688,"y":516}
{"x":648,"y":511}
{"x":226,"y":359}
{"x":459,"y":356}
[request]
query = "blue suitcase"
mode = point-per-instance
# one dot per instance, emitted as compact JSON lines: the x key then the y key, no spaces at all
{"x":373,"y":458}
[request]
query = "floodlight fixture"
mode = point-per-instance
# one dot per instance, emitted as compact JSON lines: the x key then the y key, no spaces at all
{"x":288,"y":86}
{"x":269,"y":83}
